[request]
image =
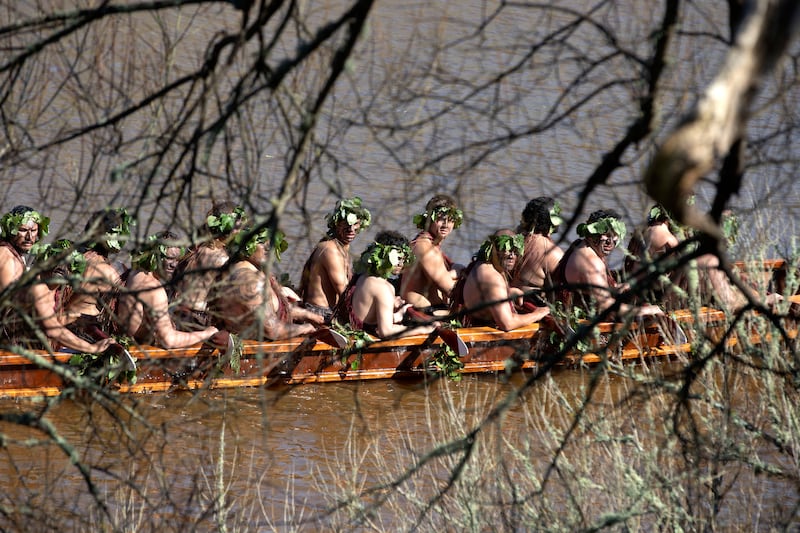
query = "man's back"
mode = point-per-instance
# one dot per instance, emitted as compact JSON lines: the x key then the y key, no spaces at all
{"x":427,"y":282}
{"x":328,"y":273}
{"x":538,"y":262}
{"x":198,"y":272}
{"x":12,"y":267}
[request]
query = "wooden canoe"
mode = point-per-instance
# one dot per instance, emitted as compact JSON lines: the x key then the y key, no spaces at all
{"x":306,"y":360}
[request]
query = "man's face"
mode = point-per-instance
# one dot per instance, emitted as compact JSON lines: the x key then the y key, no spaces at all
{"x":170,"y":261}
{"x":441,"y":225}
{"x":346,"y":233}
{"x":506,"y":259}
{"x":259,"y":257}
{"x":604,"y":244}
{"x":398,"y":268}
{"x":26,"y":237}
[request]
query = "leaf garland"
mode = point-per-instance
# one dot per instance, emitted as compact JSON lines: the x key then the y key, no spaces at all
{"x":224,"y":223}
{"x":456,"y":215}
{"x":350,"y":210}
{"x":10,"y":223}
{"x":116,"y":238}
{"x":555,"y":217}
{"x":152,"y":254}
{"x":502,"y":243}
{"x":74,"y":260}
{"x":246,"y":242}
{"x":381,"y":259}
{"x":603,"y":226}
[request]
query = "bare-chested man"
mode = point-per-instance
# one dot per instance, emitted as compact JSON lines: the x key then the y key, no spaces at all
{"x":484,"y":292}
{"x":329,"y":268}
{"x":428,"y":282}
{"x":29,"y":316}
{"x":144,"y":307}
{"x":90,"y":309}
{"x":656,"y":239}
{"x":252,"y":304}
{"x":372,"y":304}
{"x":585,"y":264}
{"x":540,"y":219}
{"x":198,"y":270}
{"x":22,"y":227}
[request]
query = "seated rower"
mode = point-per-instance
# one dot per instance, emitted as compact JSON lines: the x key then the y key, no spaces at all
{"x":533,"y":273}
{"x":329,"y":268}
{"x":22,"y":228}
{"x":91,"y":307}
{"x":583,"y":275}
{"x":33,"y":320}
{"x":483,"y":292}
{"x":252,"y":304}
{"x":143,"y":308}
{"x":371,"y":303}
{"x":715,"y":287}
{"x":428,"y":282}
{"x":198,"y":270}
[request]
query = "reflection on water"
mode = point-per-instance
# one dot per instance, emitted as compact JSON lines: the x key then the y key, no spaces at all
{"x":293,"y":453}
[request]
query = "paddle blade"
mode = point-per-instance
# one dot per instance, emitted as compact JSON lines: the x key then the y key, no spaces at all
{"x":453,"y":340}
{"x":125,"y":357}
{"x":331,"y":337}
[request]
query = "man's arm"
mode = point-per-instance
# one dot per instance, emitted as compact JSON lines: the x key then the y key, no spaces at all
{"x":335,"y":266}
{"x":385,"y":316}
{"x":432,"y":264}
{"x":9,"y":269}
{"x":493,"y":288}
{"x":44,"y":305}
{"x":154,"y":299}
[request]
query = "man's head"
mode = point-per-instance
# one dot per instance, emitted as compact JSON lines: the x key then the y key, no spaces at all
{"x":108,"y":229}
{"x":224,"y":220}
{"x":347,"y":220}
{"x":159,"y":254}
{"x":441,"y":216}
{"x":386,"y":257}
{"x":603,"y":231}
{"x":658,"y":215}
{"x":541,"y":215}
{"x":59,"y":260}
{"x":23,"y":227}
{"x":502,"y":249}
{"x":252,"y":244}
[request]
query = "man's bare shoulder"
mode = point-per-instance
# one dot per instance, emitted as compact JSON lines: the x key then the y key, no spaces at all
{"x":102,"y":269}
{"x":422,"y":245}
{"x":140,"y":280}
{"x":207,"y":257}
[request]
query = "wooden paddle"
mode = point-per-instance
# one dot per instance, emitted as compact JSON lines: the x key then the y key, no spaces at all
{"x":329,"y":336}
{"x":115,"y":349}
{"x":449,"y":336}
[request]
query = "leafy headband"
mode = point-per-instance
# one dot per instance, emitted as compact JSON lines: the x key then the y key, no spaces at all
{"x":224,"y":223}
{"x":246,"y":242}
{"x":501,"y":243}
{"x":454,"y":214}
{"x":10,"y":222}
{"x":152,"y":254}
{"x":75,"y":261}
{"x":381,"y":259}
{"x":555,"y":215}
{"x":603,"y":226}
{"x":115,"y":239}
{"x":351,"y":211}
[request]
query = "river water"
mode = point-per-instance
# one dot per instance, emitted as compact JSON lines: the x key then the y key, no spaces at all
{"x":286,"y":458}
